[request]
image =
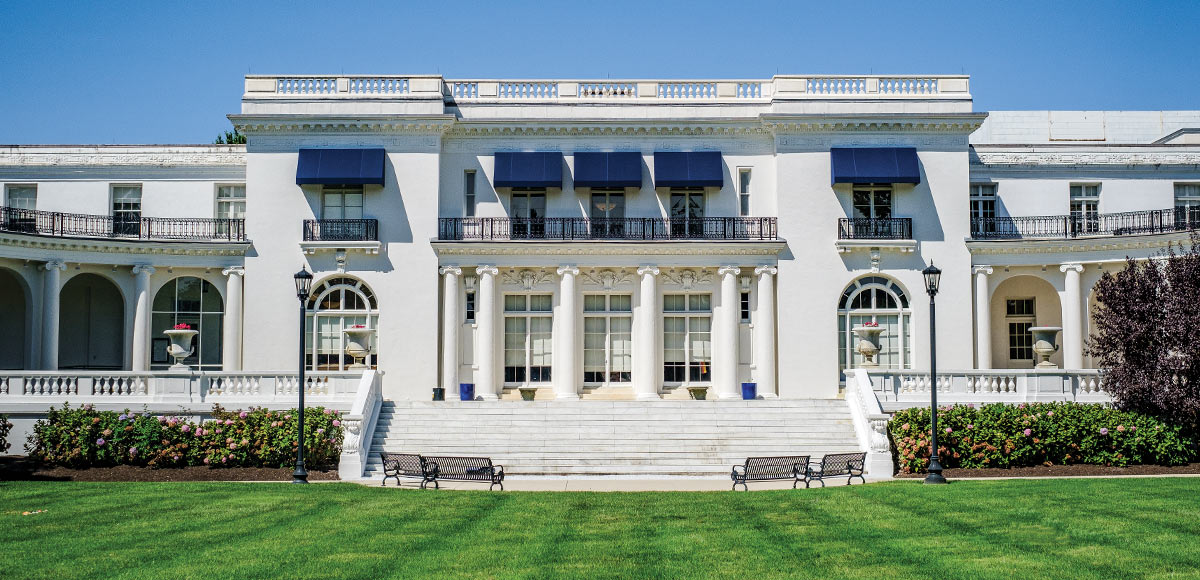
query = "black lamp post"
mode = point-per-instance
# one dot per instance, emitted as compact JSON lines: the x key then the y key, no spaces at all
{"x":303,"y":288}
{"x":933,"y":277}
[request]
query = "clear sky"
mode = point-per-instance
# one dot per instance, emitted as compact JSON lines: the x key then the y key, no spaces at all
{"x":169,"y":72}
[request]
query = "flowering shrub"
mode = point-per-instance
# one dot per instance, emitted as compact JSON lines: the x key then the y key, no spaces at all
{"x":84,"y":437}
{"x":183,"y":326}
{"x":5,"y":428}
{"x":1023,"y":435}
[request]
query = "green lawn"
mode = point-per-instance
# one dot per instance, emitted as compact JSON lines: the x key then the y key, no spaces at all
{"x":1094,"y":528}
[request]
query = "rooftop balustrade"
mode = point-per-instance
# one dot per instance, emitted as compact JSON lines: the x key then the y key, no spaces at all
{"x":75,"y":225}
{"x":1086,"y":225}
{"x":587,"y":229}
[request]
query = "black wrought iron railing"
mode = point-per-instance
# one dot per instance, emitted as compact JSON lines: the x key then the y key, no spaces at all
{"x":1094,"y":225}
{"x":77,"y":225}
{"x":365,"y":230}
{"x":875,"y":229}
{"x":559,"y":229}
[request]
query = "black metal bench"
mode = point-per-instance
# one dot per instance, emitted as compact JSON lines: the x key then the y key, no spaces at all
{"x":849,"y":464}
{"x":397,"y":465}
{"x":465,"y":469}
{"x":770,"y":469}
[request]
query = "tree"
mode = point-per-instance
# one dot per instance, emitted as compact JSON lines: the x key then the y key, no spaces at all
{"x":231,"y":138}
{"x":1147,"y":338}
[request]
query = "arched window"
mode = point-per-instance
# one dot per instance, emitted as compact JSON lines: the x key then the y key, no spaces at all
{"x":197,"y":303}
{"x":335,"y":305}
{"x":880,"y":300}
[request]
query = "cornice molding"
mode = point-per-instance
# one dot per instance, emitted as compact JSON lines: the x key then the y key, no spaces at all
{"x":254,"y":125}
{"x":773,"y":248}
{"x":1004,"y":159}
{"x":99,"y":246}
{"x":964,"y":123}
{"x":1151,"y":242}
{"x":623,"y":128}
{"x":158,"y":159}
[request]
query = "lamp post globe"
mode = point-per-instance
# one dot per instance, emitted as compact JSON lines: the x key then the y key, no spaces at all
{"x":933,"y":278}
{"x":303,"y":280}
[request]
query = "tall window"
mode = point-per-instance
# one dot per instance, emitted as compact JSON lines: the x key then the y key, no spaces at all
{"x":470,"y":306}
{"x":21,"y":197}
{"x":687,"y":212}
{"x":607,"y":338}
{"x":127,"y":209}
{"x":342,"y":203}
{"x":1187,"y":203}
{"x":744,"y":191}
{"x":872,"y":201}
{"x":528,"y":212}
{"x":687,"y":338}
{"x":231,"y":201}
{"x":744,"y":306}
{"x":607,"y":212}
{"x":1019,"y":314}
{"x":527,"y":338}
{"x":469,"y":193}
{"x":1085,"y":208}
{"x":197,"y":303}
{"x":983,"y":207}
{"x":335,"y":305}
{"x":879,"y":300}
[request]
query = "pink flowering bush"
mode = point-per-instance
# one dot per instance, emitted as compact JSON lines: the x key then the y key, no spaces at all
{"x":5,"y":427}
{"x":84,"y":437}
{"x":1029,"y":434}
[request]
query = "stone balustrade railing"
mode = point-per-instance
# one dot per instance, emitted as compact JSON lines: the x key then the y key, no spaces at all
{"x":240,"y":387}
{"x":870,"y":424}
{"x":359,"y":425}
{"x":897,"y":389}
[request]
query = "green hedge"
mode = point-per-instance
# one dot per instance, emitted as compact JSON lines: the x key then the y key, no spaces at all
{"x":5,"y":428}
{"x":1023,"y":435}
{"x":84,"y":437}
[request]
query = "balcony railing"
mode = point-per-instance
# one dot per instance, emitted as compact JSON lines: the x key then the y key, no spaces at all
{"x":559,"y":229}
{"x":365,"y":230}
{"x":875,"y":229}
{"x":1078,"y":226}
{"x":76,"y":225}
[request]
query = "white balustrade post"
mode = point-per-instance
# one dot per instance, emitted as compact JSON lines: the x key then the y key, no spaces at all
{"x":725,"y":334}
{"x":51,"y":282}
{"x":1072,"y":318}
{"x":764,"y":332}
{"x":983,"y":318}
{"x":646,"y":345}
{"x":141,"y":317}
{"x":485,"y":381}
{"x":450,"y":327}
{"x":566,"y":360}
{"x":231,"y":335}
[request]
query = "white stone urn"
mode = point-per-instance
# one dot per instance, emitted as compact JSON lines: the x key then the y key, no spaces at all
{"x":181,"y":346}
{"x":358,"y":345}
{"x":1045,"y":345}
{"x":868,"y":343}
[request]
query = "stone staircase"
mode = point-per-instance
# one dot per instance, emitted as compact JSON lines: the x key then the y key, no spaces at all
{"x":641,"y":438}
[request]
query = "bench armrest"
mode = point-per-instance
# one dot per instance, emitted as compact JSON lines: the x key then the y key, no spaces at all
{"x":739,"y":467}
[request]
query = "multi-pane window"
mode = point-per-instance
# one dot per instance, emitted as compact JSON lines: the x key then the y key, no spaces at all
{"x":470,"y":303}
{"x":983,"y":207}
{"x":1187,"y":203}
{"x":607,"y":212}
{"x":872,"y":201}
{"x":1085,"y":208}
{"x":607,"y":338}
{"x":744,"y":191}
{"x":687,"y":212}
{"x":334,"y":306}
{"x":342,"y":203}
{"x":469,"y":193}
{"x":687,"y":338}
{"x":231,"y":204}
{"x":1019,"y":314}
{"x":528,"y":210}
{"x":527,"y":338}
{"x":877,"y":300}
{"x":21,"y":197}
{"x":744,"y":306}
{"x":127,"y":209}
{"x":197,"y":303}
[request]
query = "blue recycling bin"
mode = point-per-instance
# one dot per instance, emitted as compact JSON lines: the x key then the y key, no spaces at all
{"x":749,"y":391}
{"x":466,"y":391}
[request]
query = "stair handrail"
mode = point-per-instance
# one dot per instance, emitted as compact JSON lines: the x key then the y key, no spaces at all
{"x":358,"y":426}
{"x":870,"y":423}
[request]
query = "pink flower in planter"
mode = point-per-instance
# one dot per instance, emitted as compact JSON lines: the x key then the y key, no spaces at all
{"x":224,"y":459}
{"x":88,"y":407}
{"x":970,"y":405}
{"x":970,"y":425}
{"x":245,"y":441}
{"x":218,"y":431}
{"x":287,"y":417}
{"x":337,"y":423}
{"x":176,"y":458}
{"x":904,"y":427}
{"x":1021,"y":406}
{"x":1049,"y":413}
{"x":1028,"y":432}
{"x":1104,"y":430}
{"x":242,"y":414}
{"x":133,"y":451}
{"x":233,"y":445}
{"x":229,"y":439}
{"x":1133,"y":428}
{"x":327,"y":411}
{"x":106,"y":432}
{"x":319,"y":431}
{"x":100,"y":442}
{"x":162,"y":419}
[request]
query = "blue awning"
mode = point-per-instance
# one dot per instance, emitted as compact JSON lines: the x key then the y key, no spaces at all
{"x":688,"y":169}
{"x":340,"y":166}
{"x":528,"y":169}
{"x":616,"y":169}
{"x":875,"y":165}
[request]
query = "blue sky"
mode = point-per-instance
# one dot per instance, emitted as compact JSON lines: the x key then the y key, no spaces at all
{"x":169,"y":72}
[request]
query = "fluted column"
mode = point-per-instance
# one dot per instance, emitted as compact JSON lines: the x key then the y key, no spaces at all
{"x":566,"y":360}
{"x":231,"y":333}
{"x":450,"y":327}
{"x":983,"y":318}
{"x":725,"y":335}
{"x":764,"y":332}
{"x":1072,"y":317}
{"x":485,"y":381}
{"x":141,"y":317}
{"x":646,"y":346}
{"x":51,"y":282}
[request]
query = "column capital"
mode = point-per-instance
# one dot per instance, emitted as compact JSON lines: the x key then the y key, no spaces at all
{"x":142,"y":268}
{"x":54,"y":265}
{"x":986,"y":270}
{"x":234,"y":271}
{"x":766,"y":270}
{"x":648,"y":270}
{"x":454,"y":270}
{"x":487,"y":269}
{"x":729,"y":271}
{"x":568,"y":269}
{"x":1078,"y":268}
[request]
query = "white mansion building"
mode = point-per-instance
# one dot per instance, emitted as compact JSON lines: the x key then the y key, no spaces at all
{"x":590,"y":242}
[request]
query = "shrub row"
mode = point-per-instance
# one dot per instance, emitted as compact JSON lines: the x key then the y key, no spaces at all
{"x":84,"y":437}
{"x":1023,"y":435}
{"x":5,"y":429}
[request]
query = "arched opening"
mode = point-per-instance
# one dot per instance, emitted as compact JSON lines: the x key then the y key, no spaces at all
{"x":335,"y":305}
{"x":1017,"y":304}
{"x":13,"y":308}
{"x":882,"y":301}
{"x":91,"y":324}
{"x":197,"y":303}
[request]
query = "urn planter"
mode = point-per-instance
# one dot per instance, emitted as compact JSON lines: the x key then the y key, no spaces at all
{"x":868,"y":343}
{"x":181,"y":346}
{"x":358,"y":345}
{"x":698,"y":393}
{"x":1045,"y":345}
{"x":527,"y":393}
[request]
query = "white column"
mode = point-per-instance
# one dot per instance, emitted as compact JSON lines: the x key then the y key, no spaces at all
{"x":725,"y":336}
{"x":231,"y":335}
{"x":1072,"y":318}
{"x":51,"y":281}
{"x":141,"y":317}
{"x":485,"y":381}
{"x":764,"y":332}
{"x":646,"y":345}
{"x":566,"y":360}
{"x":450,"y":327}
{"x":983,"y":318}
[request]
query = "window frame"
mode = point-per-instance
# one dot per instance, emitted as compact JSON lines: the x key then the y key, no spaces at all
{"x":8,"y":189}
{"x":313,"y":312}
{"x":469,"y":191}
{"x":744,"y":186}
{"x":688,"y":314}
{"x":873,"y":190}
{"x":1012,"y":319}
{"x":608,"y":315}
{"x":124,"y":221}
{"x":218,"y":200}
{"x":544,"y":372}
{"x":343,"y":190}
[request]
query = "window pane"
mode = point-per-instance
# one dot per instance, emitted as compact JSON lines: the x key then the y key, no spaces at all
{"x":744,"y":181}
{"x":22,"y":197}
{"x":541,"y":303}
{"x":673,"y":303}
{"x":699,"y":302}
{"x":514,"y":303}
{"x":621,"y":303}
{"x":593,"y":303}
